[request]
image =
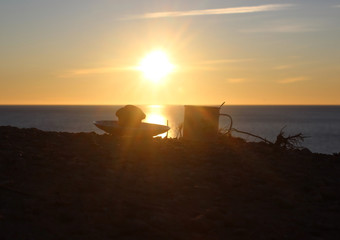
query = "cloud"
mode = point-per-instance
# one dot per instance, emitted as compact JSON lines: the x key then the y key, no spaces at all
{"x":292,"y":80}
{"x":213,"y":65}
{"x":217,"y":11}
{"x":283,"y":67}
{"x":236,"y":80}
{"x":93,"y":71}
{"x":282,"y":29}
{"x":337,"y":6}
{"x":221,"y":61}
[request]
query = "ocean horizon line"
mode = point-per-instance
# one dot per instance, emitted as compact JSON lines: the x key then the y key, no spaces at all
{"x":147,"y":104}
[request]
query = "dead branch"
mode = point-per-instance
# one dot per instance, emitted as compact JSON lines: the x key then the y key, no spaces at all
{"x":253,"y":135}
{"x":179,"y":130}
{"x":290,"y":142}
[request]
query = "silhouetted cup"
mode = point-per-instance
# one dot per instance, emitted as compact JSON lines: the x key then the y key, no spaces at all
{"x":201,"y":122}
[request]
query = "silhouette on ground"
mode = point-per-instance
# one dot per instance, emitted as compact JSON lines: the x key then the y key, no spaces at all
{"x":130,"y":116}
{"x":89,"y":186}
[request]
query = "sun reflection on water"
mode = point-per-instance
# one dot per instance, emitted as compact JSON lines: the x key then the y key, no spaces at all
{"x":155,"y":114}
{"x":155,"y":118}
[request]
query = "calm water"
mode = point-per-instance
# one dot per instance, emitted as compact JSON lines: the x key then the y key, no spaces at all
{"x":321,"y":123}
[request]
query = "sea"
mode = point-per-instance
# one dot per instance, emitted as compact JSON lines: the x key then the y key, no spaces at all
{"x":321,"y":124}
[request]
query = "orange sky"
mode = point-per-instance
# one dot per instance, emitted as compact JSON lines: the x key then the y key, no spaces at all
{"x":249,"y":52}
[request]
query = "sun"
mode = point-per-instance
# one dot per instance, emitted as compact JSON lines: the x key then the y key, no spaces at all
{"x":156,"y":66}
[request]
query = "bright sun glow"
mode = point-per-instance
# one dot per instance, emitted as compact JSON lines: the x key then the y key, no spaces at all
{"x":156,"y":66}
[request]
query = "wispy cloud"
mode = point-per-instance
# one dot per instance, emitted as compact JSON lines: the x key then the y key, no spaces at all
{"x":337,"y":6}
{"x":236,"y":80}
{"x":213,"y":65}
{"x":283,"y":67}
{"x":292,"y":80}
{"x":217,"y":11}
{"x":93,"y":71}
{"x":282,"y":29}
{"x":222,"y":61}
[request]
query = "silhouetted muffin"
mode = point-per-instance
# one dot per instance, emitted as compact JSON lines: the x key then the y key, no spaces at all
{"x":130,"y":115}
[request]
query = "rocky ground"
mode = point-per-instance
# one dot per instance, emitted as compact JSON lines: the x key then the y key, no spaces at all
{"x":89,"y":186}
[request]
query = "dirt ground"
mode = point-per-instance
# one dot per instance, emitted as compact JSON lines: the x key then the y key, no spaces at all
{"x":89,"y":186}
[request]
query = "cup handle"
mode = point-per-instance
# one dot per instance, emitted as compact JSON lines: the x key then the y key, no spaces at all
{"x":231,"y":121}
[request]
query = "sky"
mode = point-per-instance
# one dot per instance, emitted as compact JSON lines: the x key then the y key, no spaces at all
{"x":251,"y":52}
